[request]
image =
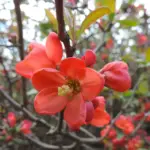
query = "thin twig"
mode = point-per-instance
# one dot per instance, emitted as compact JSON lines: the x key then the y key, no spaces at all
{"x":48,"y":146}
{"x":60,"y":122}
{"x":27,"y":112}
{"x":21,"y":45}
{"x":8,"y":46}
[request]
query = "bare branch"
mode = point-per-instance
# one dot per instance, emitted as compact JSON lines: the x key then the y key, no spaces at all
{"x":21,"y":45}
{"x":48,"y":146}
{"x":63,"y":35}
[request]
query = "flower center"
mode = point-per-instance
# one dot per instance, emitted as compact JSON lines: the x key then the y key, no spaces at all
{"x":71,"y":88}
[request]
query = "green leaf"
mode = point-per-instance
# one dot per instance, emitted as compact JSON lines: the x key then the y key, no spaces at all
{"x":52,"y":19}
{"x":92,"y":17}
{"x":148,"y":55}
{"x":111,"y":5}
{"x":131,"y":1}
{"x":128,"y":22}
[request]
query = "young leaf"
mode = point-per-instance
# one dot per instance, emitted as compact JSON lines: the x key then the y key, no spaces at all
{"x":147,"y":55}
{"x":128,"y":22}
{"x":92,"y":17}
{"x":52,"y":19}
{"x":111,"y":5}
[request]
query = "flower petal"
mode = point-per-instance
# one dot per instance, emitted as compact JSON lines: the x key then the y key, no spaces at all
{"x":35,"y":60}
{"x":118,"y":80}
{"x":54,"y":49}
{"x":100,"y":102}
{"x":115,"y":65}
{"x":73,"y":68}
{"x":11,"y":118}
{"x":75,"y":112}
{"x":89,"y":111}
{"x":47,"y":77}
{"x":101,"y":118}
{"x":91,"y":84}
{"x":48,"y":102}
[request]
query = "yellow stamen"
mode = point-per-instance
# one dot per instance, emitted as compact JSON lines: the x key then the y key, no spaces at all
{"x":64,"y":90}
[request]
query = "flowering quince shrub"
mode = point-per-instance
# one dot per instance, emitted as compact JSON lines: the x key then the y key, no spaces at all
{"x":11,"y":128}
{"x":65,"y":85}
{"x":86,"y":87}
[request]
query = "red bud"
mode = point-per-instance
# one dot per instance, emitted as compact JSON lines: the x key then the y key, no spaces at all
{"x":89,"y":111}
{"x":89,"y":58}
{"x":11,"y":118}
{"x":116,"y":76}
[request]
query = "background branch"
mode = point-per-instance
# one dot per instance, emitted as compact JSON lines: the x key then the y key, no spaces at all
{"x":21,"y":46}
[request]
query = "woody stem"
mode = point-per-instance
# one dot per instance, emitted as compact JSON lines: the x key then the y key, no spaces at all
{"x":63,"y":35}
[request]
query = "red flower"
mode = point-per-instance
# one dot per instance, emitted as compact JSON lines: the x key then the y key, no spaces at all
{"x":116,"y":76}
{"x":125,"y":124}
{"x":119,"y":142}
{"x":25,"y":127}
{"x":11,"y":118}
{"x":73,"y":2}
{"x":89,"y":58}
{"x":147,"y":106}
{"x":142,"y":39}
{"x":67,"y":89}
{"x":100,"y":117}
{"x":104,"y":56}
{"x":112,"y":132}
{"x":135,"y":143}
{"x":109,"y":44}
{"x":41,"y":56}
{"x":138,"y":116}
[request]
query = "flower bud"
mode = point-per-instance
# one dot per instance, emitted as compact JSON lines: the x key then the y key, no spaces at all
{"x":112,"y":132}
{"x":119,"y":142}
{"x":11,"y":118}
{"x":116,"y":76}
{"x":89,"y":111}
{"x":89,"y":58}
{"x":26,"y":127}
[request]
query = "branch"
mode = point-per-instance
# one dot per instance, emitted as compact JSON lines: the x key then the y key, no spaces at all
{"x":63,"y":35}
{"x":8,"y":46}
{"x":7,"y":77}
{"x":21,"y":45}
{"x":48,"y":146}
{"x":28,"y":113}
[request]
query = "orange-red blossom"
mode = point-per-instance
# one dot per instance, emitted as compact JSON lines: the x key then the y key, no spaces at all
{"x":70,"y":87}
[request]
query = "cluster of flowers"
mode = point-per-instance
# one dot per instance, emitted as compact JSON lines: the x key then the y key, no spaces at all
{"x":71,"y":85}
{"x":126,"y":141}
{"x":10,"y":127}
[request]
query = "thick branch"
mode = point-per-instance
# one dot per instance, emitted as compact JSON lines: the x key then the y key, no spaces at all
{"x":21,"y":45}
{"x":64,"y":37}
